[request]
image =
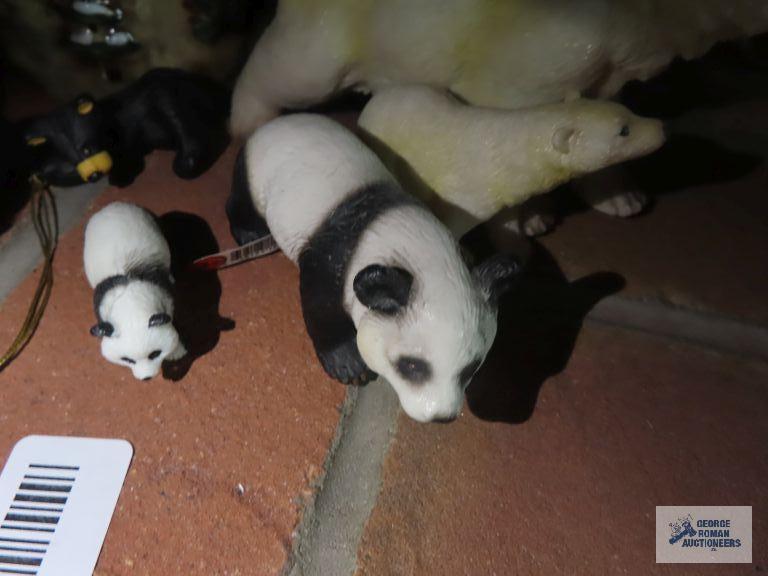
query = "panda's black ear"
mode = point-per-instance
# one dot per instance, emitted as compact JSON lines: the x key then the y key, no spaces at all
{"x":102,"y":329}
{"x":384,"y":289}
{"x":496,"y":275}
{"x":159,"y":319}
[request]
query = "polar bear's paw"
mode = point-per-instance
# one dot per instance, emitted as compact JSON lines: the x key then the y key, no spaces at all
{"x":622,"y":204}
{"x":536,"y":224}
{"x":531,"y":223}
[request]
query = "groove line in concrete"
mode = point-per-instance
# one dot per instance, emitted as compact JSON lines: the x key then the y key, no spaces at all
{"x":705,"y":329}
{"x":329,"y":534}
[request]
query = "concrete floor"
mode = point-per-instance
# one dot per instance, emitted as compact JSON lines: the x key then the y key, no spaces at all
{"x":579,"y":424}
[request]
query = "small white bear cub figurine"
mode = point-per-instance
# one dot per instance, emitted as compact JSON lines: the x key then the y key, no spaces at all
{"x":127,"y":262}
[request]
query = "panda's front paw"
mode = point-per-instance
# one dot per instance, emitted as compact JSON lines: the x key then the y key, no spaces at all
{"x":345,"y":364}
{"x":187,"y":165}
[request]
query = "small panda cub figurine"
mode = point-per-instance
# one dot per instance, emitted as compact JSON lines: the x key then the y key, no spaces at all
{"x":383,"y":286}
{"x":127,"y":263}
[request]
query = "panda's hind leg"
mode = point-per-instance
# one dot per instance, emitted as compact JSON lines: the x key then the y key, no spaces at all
{"x":245,"y":223}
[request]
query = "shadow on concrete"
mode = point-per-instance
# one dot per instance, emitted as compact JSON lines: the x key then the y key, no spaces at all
{"x":731,"y":72}
{"x":14,"y":172}
{"x":539,"y":322}
{"x":197,"y":293}
{"x":13,"y":197}
{"x":688,"y":161}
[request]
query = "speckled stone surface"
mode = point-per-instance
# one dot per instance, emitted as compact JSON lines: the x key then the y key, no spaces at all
{"x":633,"y":422}
{"x":254,"y":409}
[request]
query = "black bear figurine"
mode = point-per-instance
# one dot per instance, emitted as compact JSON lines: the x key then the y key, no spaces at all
{"x":165,"y":109}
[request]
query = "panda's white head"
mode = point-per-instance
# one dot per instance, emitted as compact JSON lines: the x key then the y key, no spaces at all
{"x":427,"y":333}
{"x":136,"y":329}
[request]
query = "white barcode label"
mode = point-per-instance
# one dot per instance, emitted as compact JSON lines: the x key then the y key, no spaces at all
{"x":57,"y":496}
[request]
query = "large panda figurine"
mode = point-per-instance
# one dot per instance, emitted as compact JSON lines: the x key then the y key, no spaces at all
{"x":384,"y":289}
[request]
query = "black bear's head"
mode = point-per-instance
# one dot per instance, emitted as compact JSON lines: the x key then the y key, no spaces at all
{"x":69,"y":146}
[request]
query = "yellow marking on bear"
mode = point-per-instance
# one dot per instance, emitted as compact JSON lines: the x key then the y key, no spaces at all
{"x":100,"y":162}
{"x":36,"y":141}
{"x":85,"y":108}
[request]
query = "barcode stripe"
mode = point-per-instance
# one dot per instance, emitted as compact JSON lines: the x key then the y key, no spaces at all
{"x":61,"y":478}
{"x":20,"y":541}
{"x":22,"y":560}
{"x":44,"y":487}
{"x":17,"y":549}
{"x":36,"y":519}
{"x":10,"y":571}
{"x":37,"y":508}
{"x":54,"y":467}
{"x":26,"y":528}
{"x":46,"y":499}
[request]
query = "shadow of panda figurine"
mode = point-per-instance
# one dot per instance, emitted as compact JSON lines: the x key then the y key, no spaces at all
{"x":166,"y":109}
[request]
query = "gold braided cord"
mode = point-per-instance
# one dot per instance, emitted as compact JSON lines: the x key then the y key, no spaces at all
{"x":46,"y":224}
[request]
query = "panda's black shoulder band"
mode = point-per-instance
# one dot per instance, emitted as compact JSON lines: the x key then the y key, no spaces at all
{"x":323,"y":264}
{"x":157,"y":275}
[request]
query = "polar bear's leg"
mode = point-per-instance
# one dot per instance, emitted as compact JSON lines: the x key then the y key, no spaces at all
{"x":608,"y":191}
{"x":290,"y":67}
{"x":533,"y":218}
{"x":538,"y":223}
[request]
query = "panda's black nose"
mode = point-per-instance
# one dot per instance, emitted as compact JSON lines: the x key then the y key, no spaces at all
{"x":147,"y":378}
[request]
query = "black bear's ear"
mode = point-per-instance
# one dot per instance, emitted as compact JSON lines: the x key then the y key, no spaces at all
{"x":384,"y":289}
{"x":85,"y":104}
{"x":159,"y":319}
{"x":102,"y":329}
{"x":496,"y":275}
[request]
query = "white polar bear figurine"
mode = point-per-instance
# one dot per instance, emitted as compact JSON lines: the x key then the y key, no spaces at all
{"x":127,"y":263}
{"x":468,"y":163}
{"x":502,"y":54}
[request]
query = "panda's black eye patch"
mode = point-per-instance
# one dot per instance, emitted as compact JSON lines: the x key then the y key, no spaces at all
{"x":468,"y":371}
{"x":154,"y":354}
{"x":128,"y":360}
{"x":624,"y":131}
{"x":414,"y":369}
